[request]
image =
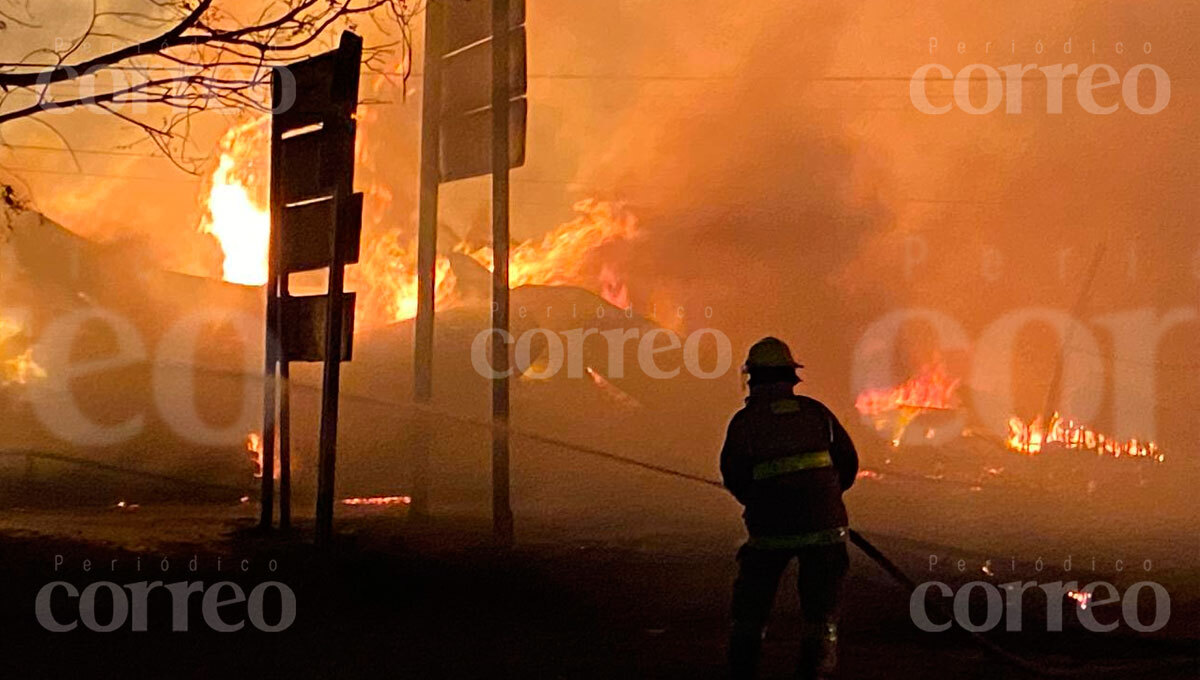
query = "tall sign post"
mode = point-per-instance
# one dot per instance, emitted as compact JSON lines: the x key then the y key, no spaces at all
{"x":473,"y":123}
{"x":316,"y":223}
{"x":422,"y":431}
{"x":502,"y":520}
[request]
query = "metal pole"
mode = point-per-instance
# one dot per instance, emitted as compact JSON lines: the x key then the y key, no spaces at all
{"x":285,"y":440}
{"x":272,"y":349}
{"x":502,"y":519}
{"x":327,"y":453}
{"x":267,"y":494}
{"x":341,"y":129}
{"x":431,"y":102}
{"x":285,"y":420}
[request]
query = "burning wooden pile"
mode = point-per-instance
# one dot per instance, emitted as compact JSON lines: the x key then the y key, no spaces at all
{"x":932,"y":390}
{"x":1031,"y":438}
{"x":179,"y":354}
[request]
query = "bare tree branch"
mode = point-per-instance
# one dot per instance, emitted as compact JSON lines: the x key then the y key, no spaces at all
{"x":199,"y":58}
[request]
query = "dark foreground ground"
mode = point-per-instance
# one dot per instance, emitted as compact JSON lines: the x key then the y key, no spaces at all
{"x":401,"y":598}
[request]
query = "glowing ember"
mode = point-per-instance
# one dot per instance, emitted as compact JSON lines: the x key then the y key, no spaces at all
{"x":378,"y":500}
{"x":1031,"y":438}
{"x":868,"y":474}
{"x":1082,"y":598}
{"x":618,"y":395}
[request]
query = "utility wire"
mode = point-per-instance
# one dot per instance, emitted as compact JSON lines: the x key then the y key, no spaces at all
{"x":90,"y":152}
{"x":72,"y":173}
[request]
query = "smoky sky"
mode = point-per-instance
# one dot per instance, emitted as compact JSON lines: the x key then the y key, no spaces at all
{"x":781,"y":176}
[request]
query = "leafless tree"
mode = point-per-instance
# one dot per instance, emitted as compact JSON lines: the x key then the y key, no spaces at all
{"x":155,"y":64}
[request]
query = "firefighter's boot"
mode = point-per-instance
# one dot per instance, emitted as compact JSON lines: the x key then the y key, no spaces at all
{"x":818,"y":651}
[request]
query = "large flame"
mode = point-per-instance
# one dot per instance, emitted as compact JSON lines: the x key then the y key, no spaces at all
{"x":932,"y":389}
{"x":388,"y":273}
{"x":1030,"y":439}
{"x":238,"y":217}
{"x":560,"y":257}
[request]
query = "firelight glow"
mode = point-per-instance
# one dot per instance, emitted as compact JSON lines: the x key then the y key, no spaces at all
{"x":239,"y":219}
{"x":241,"y":226}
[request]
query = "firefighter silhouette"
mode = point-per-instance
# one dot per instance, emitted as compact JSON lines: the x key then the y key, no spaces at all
{"x":787,"y":459}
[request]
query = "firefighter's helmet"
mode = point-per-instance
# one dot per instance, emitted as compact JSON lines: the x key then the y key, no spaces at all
{"x":769,"y":352}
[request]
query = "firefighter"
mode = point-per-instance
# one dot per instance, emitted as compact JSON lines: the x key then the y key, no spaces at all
{"x":787,"y":459}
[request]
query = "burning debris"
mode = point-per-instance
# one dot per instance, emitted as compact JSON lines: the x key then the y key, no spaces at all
{"x":558,"y":258}
{"x":378,"y":500}
{"x":388,"y":269}
{"x":1031,"y":438}
{"x":932,"y":389}
{"x":238,"y":217}
{"x":254,"y":447}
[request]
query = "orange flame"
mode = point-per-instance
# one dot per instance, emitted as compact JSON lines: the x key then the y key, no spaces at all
{"x":238,"y":217}
{"x":16,"y":368}
{"x":388,"y":272}
{"x":1031,"y":438}
{"x":558,"y":258}
{"x":254,"y":446}
{"x":932,"y":389}
{"x":378,"y":500}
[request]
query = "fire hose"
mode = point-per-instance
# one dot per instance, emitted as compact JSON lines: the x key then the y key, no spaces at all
{"x":873,"y":553}
{"x":859,"y":541}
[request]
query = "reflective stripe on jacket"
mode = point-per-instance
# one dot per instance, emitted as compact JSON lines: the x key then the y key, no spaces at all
{"x":787,"y":460}
{"x":797,"y":541}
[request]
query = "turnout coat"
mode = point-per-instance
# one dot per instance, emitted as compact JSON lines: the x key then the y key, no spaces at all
{"x":787,"y":459}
